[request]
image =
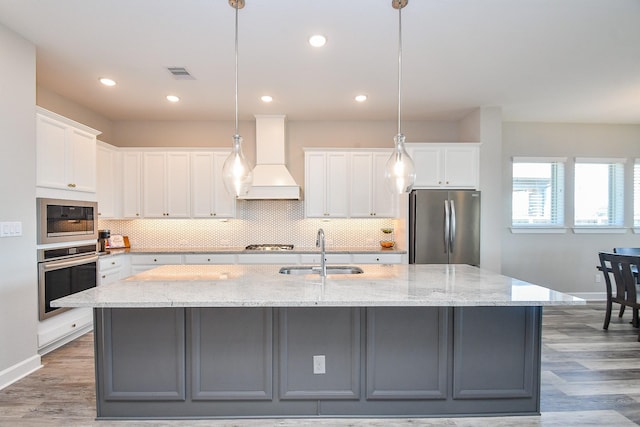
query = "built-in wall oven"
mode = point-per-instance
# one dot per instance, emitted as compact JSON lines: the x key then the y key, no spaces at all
{"x":61,"y":221}
{"x":64,"y":271}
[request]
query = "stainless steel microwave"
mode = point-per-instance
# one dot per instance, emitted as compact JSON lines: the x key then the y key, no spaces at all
{"x":66,"y":220}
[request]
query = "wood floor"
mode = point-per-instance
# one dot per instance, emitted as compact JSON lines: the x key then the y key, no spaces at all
{"x":590,"y":377}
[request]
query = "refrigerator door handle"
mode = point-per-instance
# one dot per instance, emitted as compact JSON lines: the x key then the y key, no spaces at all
{"x":446,"y":226}
{"x":452,"y":233}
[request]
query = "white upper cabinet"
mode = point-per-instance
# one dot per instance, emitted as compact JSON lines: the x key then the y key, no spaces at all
{"x":454,"y":165}
{"x":108,"y":182}
{"x":165,"y":185}
{"x":131,"y":184}
{"x":209,"y":198}
{"x":369,"y":196}
{"x":65,"y":153}
{"x":326,"y":188}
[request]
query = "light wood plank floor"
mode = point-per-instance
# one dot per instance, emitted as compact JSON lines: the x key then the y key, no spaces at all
{"x":590,"y":377}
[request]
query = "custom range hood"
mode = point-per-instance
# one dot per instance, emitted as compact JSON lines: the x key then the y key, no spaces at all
{"x":271,"y":178}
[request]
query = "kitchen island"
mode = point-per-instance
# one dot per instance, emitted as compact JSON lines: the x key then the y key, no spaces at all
{"x":245,"y":341}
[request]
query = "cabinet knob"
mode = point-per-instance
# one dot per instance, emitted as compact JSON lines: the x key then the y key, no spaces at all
{"x":113,"y":263}
{"x":71,"y":185}
{"x":155,"y":260}
{"x":208,"y":259}
{"x":73,"y":325}
{"x":104,"y":276}
{"x":137,"y":214}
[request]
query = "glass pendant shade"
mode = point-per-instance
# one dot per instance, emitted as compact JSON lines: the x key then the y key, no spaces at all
{"x":400,"y":172}
{"x":236,"y":171}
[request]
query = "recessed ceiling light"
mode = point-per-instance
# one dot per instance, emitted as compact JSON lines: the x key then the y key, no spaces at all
{"x":172,"y":98}
{"x":361,"y":98}
{"x":266,"y":98}
{"x":107,"y":82}
{"x":317,"y":40}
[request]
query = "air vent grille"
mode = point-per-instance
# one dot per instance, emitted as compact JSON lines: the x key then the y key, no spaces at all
{"x":180,"y":73}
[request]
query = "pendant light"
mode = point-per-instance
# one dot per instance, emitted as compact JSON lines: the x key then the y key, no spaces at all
{"x":400,"y":172}
{"x":236,"y":171}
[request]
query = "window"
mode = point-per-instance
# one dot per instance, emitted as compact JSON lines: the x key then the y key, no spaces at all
{"x":538,"y":192}
{"x":599,"y":192}
{"x":636,"y":194}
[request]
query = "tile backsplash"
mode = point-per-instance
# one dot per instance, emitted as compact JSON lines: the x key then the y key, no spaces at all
{"x":257,"y":221}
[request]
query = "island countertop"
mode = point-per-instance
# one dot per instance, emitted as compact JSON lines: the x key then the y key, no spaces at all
{"x":262,"y":286}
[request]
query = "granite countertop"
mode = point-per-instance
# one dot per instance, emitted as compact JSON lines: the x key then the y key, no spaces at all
{"x":242,"y":250}
{"x":263,"y":286}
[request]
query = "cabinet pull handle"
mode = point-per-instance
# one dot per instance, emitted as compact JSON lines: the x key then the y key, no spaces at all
{"x":71,"y":185}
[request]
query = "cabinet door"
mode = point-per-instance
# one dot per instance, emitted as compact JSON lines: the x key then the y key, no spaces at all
{"x":314,"y":185}
{"x":177,"y":185}
{"x":224,"y":204}
{"x":428,"y":166}
{"x":337,"y":190}
{"x":209,"y":198}
{"x":153,"y":190}
{"x":106,"y":181}
{"x":51,"y":153}
{"x":131,"y":184}
{"x":81,"y":169}
{"x":384,"y":203}
{"x":202,"y":192}
{"x":361,"y":185}
{"x":461,"y":167}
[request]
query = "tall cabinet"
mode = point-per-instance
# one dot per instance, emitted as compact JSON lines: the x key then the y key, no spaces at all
{"x":209,"y":198}
{"x":369,"y":196}
{"x":326,"y":189}
{"x":165,"y":184}
{"x":65,"y":153}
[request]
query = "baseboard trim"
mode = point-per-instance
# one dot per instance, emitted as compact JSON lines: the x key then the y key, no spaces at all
{"x":19,"y":371}
{"x":590,"y":296}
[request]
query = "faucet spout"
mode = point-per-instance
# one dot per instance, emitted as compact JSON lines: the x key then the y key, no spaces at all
{"x":320,"y":243}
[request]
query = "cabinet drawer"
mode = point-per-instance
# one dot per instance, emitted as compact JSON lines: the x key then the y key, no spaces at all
{"x":159,"y":259}
{"x":110,"y":262}
{"x":268,"y":259}
{"x":109,"y":276}
{"x":331,"y":258}
{"x":210,"y":259}
{"x":377,"y":258}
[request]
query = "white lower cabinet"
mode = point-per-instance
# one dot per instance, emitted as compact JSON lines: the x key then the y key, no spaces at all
{"x":144,"y":262}
{"x":63,"y":328}
{"x":377,"y":258}
{"x":112,"y":268}
{"x":331,"y":258}
{"x":211,"y":258}
{"x":268,"y":259}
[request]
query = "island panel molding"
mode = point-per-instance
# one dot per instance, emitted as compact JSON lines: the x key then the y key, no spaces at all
{"x":402,"y":360}
{"x":231,"y":354}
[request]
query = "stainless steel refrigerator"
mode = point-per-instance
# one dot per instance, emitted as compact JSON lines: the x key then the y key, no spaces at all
{"x":444,"y":227}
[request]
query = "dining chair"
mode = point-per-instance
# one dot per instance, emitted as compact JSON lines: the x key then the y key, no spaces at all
{"x":621,"y":267}
{"x":628,"y":251}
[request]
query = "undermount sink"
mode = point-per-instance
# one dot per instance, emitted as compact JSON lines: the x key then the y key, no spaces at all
{"x":333,"y":269}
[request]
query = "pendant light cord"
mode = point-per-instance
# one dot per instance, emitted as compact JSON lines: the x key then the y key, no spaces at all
{"x":399,"y":66}
{"x":236,"y":8}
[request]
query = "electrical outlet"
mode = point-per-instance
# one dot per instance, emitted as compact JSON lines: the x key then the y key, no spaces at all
{"x":598,"y":278}
{"x":319,"y":364}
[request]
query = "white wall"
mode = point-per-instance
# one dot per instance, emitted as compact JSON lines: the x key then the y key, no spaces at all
{"x":565,"y":262}
{"x":18,"y":278}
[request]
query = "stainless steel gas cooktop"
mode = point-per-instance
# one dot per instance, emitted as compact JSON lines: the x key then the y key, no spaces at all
{"x":269,"y":247}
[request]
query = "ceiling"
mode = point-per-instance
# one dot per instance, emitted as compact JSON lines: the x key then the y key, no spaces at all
{"x":540,"y":60}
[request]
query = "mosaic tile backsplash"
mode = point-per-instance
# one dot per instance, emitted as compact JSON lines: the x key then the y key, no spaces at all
{"x":257,"y":221}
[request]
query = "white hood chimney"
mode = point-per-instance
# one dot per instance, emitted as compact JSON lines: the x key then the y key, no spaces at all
{"x":271,"y":178}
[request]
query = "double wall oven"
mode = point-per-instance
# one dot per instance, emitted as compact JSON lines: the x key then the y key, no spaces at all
{"x":67,"y":255}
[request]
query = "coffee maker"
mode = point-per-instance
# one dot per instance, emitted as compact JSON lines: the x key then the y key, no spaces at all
{"x":103,"y":237}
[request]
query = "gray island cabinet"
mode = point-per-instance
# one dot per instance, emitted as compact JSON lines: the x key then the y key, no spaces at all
{"x":244,"y":341}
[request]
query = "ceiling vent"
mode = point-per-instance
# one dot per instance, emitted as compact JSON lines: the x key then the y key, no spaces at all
{"x":180,"y":73}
